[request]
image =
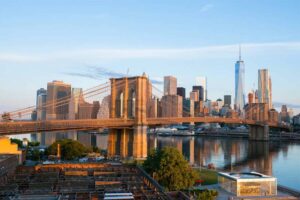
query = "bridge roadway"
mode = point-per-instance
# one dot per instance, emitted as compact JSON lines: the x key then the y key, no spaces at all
{"x":19,"y":127}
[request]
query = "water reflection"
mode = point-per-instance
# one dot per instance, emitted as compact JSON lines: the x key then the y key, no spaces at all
{"x":280,"y":159}
{"x":271,"y":158}
{"x":88,"y":138}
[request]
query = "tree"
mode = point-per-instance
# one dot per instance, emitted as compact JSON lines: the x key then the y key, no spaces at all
{"x":170,"y":169}
{"x":70,"y":149}
{"x":17,"y":141}
{"x":207,"y":195}
{"x":34,"y":144}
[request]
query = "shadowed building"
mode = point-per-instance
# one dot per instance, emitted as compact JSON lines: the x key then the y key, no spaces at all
{"x":74,"y":102}
{"x":200,"y":90}
{"x":41,"y":106}
{"x":95,"y":109}
{"x":188,"y":108}
{"x":85,"y":110}
{"x":171,"y":106}
{"x":202,"y":81}
{"x":103,"y":112}
{"x":227,"y":100}
{"x":181,"y":92}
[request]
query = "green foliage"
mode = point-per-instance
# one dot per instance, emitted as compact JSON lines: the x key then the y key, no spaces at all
{"x":34,"y":155}
{"x":96,"y":149}
{"x":205,"y":194}
{"x":70,"y":149}
{"x":33,"y":144}
{"x":17,"y":141}
{"x":210,"y":177}
{"x":170,"y":169}
{"x":20,"y":143}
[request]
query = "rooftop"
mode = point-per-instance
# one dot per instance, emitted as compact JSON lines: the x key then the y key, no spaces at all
{"x":245,"y":176}
{"x":82,"y":181}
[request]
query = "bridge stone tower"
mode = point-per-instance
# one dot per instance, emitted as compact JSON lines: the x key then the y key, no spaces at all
{"x":130,"y":97}
{"x":259,"y":113}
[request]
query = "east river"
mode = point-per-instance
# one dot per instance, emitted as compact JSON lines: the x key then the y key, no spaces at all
{"x":280,"y":159}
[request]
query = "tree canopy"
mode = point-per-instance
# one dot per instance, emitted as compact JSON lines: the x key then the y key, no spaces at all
{"x":70,"y":149}
{"x":170,"y":169}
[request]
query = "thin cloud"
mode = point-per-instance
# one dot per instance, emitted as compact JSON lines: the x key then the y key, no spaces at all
{"x":84,"y":75}
{"x":96,"y":55}
{"x":279,"y":104}
{"x":206,"y":7}
{"x":101,"y":73}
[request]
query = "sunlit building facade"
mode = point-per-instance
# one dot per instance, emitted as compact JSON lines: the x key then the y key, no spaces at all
{"x":250,"y":184}
{"x":264,"y":87}
{"x":58,"y":98}
{"x":74,"y":102}
{"x":170,"y":85}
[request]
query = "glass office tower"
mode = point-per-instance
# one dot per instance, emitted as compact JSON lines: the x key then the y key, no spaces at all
{"x":239,"y":85}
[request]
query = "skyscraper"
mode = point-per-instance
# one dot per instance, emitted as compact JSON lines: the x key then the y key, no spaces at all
{"x":227,"y":100}
{"x":76,"y":95}
{"x":58,"y":99}
{"x":170,"y":85}
{"x":264,"y":87}
{"x":239,"y":84}
{"x":202,"y":81}
{"x":39,"y":92}
{"x":200,"y":90}
{"x":41,"y":106}
{"x":181,"y":92}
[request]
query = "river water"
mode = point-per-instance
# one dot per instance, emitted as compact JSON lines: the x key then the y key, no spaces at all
{"x":280,"y":159}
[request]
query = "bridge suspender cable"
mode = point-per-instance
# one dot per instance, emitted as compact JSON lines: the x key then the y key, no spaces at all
{"x":94,"y":91}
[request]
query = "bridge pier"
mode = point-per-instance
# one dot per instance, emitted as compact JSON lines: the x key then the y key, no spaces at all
{"x":128,"y":142}
{"x":259,"y":132}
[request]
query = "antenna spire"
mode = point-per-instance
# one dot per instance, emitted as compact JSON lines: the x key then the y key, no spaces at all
{"x":240,"y":53}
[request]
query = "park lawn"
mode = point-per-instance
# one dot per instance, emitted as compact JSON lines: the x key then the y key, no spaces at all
{"x":210,"y":177}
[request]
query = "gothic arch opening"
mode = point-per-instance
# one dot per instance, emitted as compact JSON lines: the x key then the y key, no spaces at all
{"x":120,"y":104}
{"x":131,"y":104}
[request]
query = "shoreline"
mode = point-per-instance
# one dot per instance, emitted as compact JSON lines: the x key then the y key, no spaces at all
{"x":243,"y":135}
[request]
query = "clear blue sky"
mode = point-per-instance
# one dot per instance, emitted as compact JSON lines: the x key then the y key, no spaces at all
{"x":45,"y":40}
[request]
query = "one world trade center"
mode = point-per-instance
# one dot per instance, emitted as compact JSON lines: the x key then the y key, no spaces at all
{"x":239,"y":102}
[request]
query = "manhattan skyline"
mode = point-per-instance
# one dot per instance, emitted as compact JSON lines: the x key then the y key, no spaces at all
{"x":90,"y":41}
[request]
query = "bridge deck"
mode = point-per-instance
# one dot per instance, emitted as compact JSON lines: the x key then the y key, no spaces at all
{"x":19,"y":127}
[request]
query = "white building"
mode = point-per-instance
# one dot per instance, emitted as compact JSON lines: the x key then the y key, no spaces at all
{"x":202,"y":81}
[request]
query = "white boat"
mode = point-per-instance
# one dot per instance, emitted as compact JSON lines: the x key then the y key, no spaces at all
{"x":165,"y":131}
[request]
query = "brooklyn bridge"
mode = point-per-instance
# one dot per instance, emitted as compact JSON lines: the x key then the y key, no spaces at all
{"x":130,"y":114}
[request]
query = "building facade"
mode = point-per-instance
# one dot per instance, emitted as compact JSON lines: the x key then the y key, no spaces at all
{"x":239,"y":102}
{"x":202,"y":81}
{"x":171,"y":106}
{"x":170,"y":85}
{"x":181,"y":92}
{"x":227,"y":100}
{"x":188,"y":108}
{"x":200,"y":90}
{"x":58,"y":98}
{"x":76,"y":95}
{"x":41,"y":106}
{"x":264,"y":87}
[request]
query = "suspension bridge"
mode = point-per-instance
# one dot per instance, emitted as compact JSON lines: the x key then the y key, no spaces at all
{"x":130,"y":114}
